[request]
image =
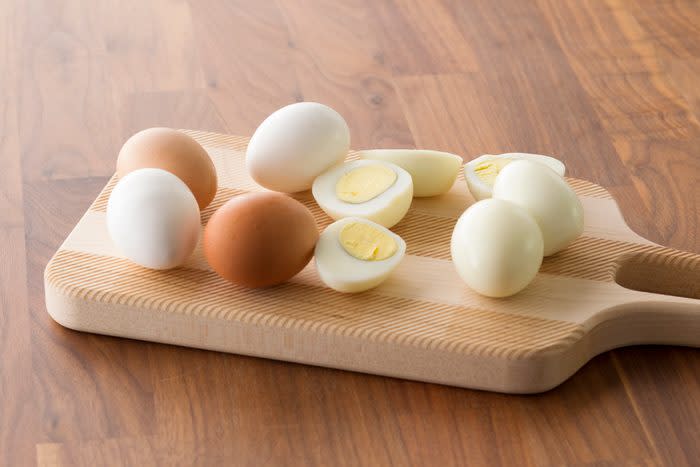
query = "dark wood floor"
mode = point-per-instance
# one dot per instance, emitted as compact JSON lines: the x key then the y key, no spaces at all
{"x":609,"y":86}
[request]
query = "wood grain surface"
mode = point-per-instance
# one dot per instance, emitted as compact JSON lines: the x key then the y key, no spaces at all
{"x":609,"y":86}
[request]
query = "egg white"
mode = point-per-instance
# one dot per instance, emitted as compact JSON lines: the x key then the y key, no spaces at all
{"x":433,"y":172}
{"x":496,"y":248}
{"x":386,"y":209}
{"x":343,"y":272}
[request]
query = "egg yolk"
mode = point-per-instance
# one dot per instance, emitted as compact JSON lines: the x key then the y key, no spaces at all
{"x":366,"y":242}
{"x":364,"y":183}
{"x":488,"y":170}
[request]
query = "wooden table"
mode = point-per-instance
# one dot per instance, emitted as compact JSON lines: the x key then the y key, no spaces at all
{"x":609,"y":86}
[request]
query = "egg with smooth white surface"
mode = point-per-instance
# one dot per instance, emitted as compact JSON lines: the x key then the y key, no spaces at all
{"x":481,"y":173}
{"x":295,"y":144}
{"x":376,"y":190}
{"x":547,"y":197}
{"x":433,"y":172}
{"x":496,"y":248}
{"x":153,"y":218}
{"x":353,"y":254}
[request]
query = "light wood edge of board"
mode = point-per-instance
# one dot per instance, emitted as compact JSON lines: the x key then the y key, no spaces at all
{"x":648,"y":318}
{"x":635,"y":323}
{"x":638,"y":323}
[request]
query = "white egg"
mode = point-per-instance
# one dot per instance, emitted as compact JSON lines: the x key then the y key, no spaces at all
{"x":371,"y":189}
{"x":153,"y":218}
{"x":295,"y":144}
{"x":496,"y":248}
{"x":547,"y":197}
{"x":480,"y":173}
{"x":433,"y":172}
{"x":354,"y":254}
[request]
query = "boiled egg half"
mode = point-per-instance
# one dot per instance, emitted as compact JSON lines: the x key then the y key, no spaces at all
{"x":433,"y":172}
{"x":481,"y":173}
{"x":375,"y":190}
{"x":355,"y":254}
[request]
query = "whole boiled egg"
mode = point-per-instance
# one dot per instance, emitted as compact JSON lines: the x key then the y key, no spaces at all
{"x":433,"y":172}
{"x":260,"y":239}
{"x":496,"y":247}
{"x":354,"y":254}
{"x":372,"y":189}
{"x":153,"y":218}
{"x":481,"y":173}
{"x":175,"y":152}
{"x":547,"y":197}
{"x":295,"y":144}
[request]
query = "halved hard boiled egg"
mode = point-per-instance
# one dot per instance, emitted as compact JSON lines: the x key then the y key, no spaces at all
{"x":433,"y":172}
{"x":355,"y":254}
{"x":371,"y":189}
{"x":481,"y":172}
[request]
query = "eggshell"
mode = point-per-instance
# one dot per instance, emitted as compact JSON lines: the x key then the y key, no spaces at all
{"x":176,"y":152}
{"x":547,"y":197}
{"x":295,"y":144}
{"x":260,"y":239}
{"x":496,"y":247}
{"x":153,"y":218}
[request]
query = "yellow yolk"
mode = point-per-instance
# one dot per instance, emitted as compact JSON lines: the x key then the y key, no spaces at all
{"x":364,"y":183}
{"x":366,"y":242}
{"x":488,"y":170}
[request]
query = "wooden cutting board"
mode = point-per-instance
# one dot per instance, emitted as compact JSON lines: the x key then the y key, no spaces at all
{"x":424,"y":323}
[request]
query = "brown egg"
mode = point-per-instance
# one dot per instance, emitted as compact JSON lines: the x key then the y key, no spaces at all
{"x":174,"y":151}
{"x":260,"y":239}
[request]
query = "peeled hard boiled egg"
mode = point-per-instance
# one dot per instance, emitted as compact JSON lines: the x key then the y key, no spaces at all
{"x":153,"y":218}
{"x":433,"y":172}
{"x":481,"y":172}
{"x":295,"y":144}
{"x":260,"y":239}
{"x":354,"y":254}
{"x":174,"y":151}
{"x":371,"y":189}
{"x":496,"y":247}
{"x":547,"y":197}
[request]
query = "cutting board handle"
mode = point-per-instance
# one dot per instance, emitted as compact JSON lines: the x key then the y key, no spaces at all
{"x":663,"y":271}
{"x":663,"y":300}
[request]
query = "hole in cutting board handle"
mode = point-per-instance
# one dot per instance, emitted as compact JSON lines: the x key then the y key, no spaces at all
{"x":661,"y":273}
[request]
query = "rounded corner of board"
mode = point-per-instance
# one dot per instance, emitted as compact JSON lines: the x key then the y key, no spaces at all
{"x":538,"y":381}
{"x":542,"y":370}
{"x":60,"y":304}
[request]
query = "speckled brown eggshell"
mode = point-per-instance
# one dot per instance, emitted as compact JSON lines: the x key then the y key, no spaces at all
{"x":260,"y":239}
{"x":175,"y":152}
